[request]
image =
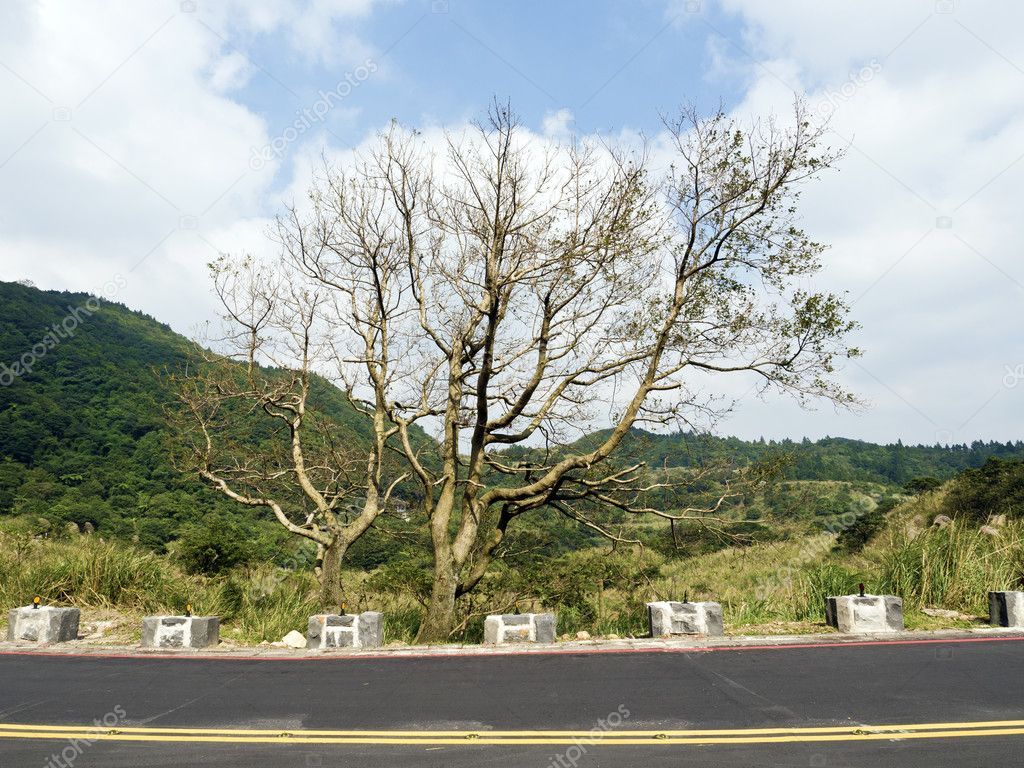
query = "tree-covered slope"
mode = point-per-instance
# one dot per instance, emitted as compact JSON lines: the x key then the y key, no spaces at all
{"x":831,"y":458}
{"x":83,"y":421}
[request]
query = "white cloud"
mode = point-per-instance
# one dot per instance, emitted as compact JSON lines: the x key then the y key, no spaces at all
{"x":316,"y":30}
{"x":933,"y":136}
{"x":122,"y":148}
{"x":230,"y":72}
{"x":557,"y":124}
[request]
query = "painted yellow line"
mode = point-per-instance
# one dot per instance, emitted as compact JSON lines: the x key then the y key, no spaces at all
{"x":608,"y":734}
{"x":468,"y":738}
{"x":650,"y":742}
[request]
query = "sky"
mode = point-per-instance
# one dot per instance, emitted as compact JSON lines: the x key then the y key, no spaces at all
{"x":140,"y":139}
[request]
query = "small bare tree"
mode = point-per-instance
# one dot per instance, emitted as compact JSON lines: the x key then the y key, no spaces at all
{"x":249,"y":426}
{"x":508,"y":294}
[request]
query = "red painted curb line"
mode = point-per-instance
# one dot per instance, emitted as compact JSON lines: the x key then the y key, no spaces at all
{"x":398,"y":655}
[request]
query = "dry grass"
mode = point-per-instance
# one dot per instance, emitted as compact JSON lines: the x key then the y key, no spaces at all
{"x":767,"y":588}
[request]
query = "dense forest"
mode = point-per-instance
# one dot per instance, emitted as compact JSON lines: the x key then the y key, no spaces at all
{"x":84,"y":436}
{"x":831,"y":458}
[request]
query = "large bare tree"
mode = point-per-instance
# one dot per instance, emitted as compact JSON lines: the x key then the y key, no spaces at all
{"x":505,"y":292}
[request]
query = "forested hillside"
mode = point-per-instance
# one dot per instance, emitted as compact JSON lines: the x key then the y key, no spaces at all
{"x":831,"y":458}
{"x":84,"y":427}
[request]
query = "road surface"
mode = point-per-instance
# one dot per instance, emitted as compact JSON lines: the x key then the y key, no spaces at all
{"x":934,"y":704}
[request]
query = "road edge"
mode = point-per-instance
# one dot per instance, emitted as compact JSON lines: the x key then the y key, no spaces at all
{"x":637,"y":645}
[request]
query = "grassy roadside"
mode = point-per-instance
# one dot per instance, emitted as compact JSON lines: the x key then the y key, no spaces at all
{"x":765,"y":588}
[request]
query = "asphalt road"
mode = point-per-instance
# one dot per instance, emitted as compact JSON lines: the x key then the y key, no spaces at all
{"x":930,"y":704}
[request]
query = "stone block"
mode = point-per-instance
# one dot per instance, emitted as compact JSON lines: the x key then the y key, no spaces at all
{"x":180,"y":631}
{"x":544,"y":626}
{"x":519,"y":628}
{"x":830,"y":612}
{"x":1006,"y":609}
{"x":493,"y":630}
{"x":45,"y":624}
{"x":667,"y":618}
{"x":351,"y":630}
{"x":858,"y":614}
{"x":371,"y":629}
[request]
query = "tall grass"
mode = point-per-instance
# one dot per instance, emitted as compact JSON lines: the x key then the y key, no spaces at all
{"x":402,"y":622}
{"x":778,"y":586}
{"x":953,"y":567}
{"x":256,"y":605}
{"x":616,"y":613}
{"x":263,"y":604}
{"x":90,"y":572}
{"x":817,"y":583}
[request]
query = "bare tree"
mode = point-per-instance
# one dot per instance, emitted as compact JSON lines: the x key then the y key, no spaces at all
{"x":507,"y":294}
{"x":248,"y":426}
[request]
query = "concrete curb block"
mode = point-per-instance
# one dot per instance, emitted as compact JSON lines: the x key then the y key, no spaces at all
{"x":669,"y":618}
{"x":352,"y":630}
{"x":45,"y":624}
{"x":1006,"y":609}
{"x":861,"y":614}
{"x":180,"y":631}
{"x":519,"y":628}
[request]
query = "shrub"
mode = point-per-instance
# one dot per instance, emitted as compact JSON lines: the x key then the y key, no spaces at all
{"x":216,"y":545}
{"x":854,"y":537}
{"x":996,"y":487}
{"x":919,"y":485}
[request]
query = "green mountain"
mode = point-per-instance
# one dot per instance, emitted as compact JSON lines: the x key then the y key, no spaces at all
{"x":83,"y":425}
{"x":84,"y":435}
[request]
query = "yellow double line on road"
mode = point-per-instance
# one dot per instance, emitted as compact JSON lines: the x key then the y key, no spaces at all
{"x":486,"y":737}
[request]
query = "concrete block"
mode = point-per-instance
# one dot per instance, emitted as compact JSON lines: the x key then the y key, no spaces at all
{"x":864,"y":613}
{"x":544,"y":626}
{"x":667,"y":618}
{"x":180,"y":631}
{"x":1006,"y":609}
{"x":371,"y":629}
{"x":830,"y":612}
{"x":492,"y":630}
{"x":501,"y":629}
{"x":44,"y":624}
{"x":351,"y":630}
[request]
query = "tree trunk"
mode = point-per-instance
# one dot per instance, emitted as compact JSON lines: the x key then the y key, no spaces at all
{"x":332,"y":594}
{"x":440,"y":618}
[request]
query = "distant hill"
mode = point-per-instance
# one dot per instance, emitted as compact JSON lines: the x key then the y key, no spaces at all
{"x":831,"y":458}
